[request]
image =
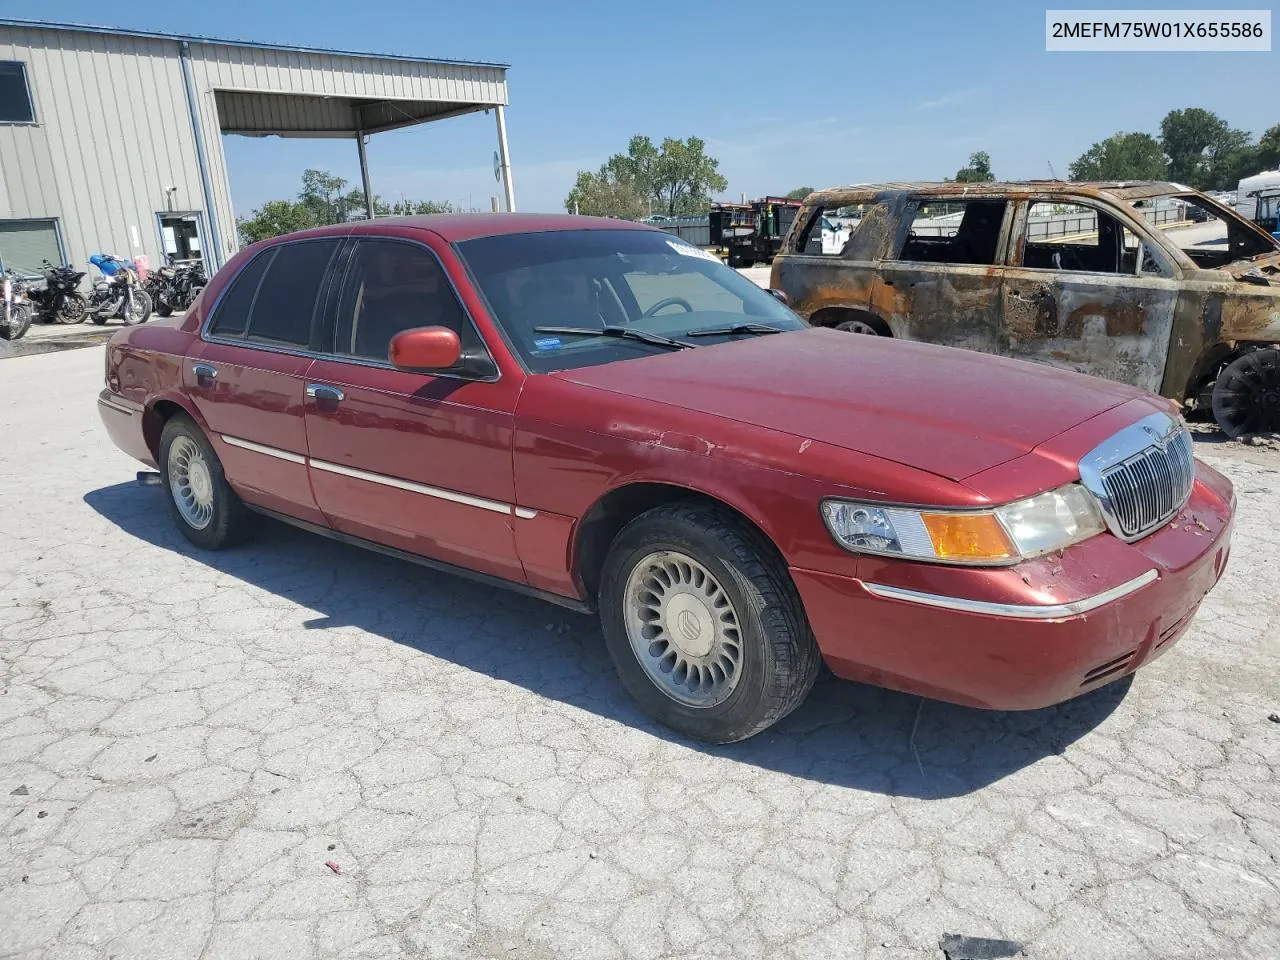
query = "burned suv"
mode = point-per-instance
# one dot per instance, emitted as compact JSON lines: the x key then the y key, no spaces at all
{"x":1152,"y":284}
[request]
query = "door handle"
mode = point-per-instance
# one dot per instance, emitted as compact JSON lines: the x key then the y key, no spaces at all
{"x":203,"y":372}
{"x":320,"y":391}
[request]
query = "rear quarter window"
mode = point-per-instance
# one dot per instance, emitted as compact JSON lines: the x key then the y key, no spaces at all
{"x":231,"y":315}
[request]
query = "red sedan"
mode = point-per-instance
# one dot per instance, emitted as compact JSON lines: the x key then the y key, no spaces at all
{"x":600,"y":414}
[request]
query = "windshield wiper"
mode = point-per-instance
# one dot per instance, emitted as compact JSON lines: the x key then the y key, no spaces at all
{"x":735,"y":330}
{"x":619,"y":333}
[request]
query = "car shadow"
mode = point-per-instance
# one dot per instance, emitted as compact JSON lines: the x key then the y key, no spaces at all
{"x":845,"y":733}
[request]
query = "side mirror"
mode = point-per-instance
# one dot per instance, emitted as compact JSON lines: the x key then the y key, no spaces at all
{"x":425,"y":348}
{"x":781,"y":297}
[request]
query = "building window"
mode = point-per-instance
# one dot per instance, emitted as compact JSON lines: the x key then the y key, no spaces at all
{"x":15,"y":95}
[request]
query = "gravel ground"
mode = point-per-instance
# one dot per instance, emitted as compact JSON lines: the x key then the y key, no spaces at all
{"x":299,"y":749}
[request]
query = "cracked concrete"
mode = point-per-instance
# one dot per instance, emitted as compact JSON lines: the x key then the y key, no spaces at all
{"x":186,"y":739}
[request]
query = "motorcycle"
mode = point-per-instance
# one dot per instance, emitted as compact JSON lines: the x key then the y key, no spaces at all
{"x":118,"y":293}
{"x":15,"y":320}
{"x":174,"y":288}
{"x":59,"y":300}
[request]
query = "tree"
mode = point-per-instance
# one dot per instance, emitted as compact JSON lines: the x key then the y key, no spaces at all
{"x":799,"y":193}
{"x":603,"y":194}
{"x":1268,"y":149}
{"x":1204,"y":151}
{"x":1122,"y":156}
{"x":324,"y":200}
{"x":978,"y":169}
{"x":273,"y":218}
{"x":677,"y":178}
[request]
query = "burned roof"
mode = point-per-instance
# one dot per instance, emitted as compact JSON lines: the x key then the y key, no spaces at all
{"x":1112,"y":189}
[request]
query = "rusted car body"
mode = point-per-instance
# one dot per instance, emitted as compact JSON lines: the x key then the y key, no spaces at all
{"x":1111,"y":293}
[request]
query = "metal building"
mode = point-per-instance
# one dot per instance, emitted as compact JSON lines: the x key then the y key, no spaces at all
{"x":111,"y":140}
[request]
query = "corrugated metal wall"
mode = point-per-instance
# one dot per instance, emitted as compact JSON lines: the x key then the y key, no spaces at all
{"x":113,"y":129}
{"x":112,"y":132}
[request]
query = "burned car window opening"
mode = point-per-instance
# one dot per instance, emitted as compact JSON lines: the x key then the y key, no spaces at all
{"x":949,"y":230}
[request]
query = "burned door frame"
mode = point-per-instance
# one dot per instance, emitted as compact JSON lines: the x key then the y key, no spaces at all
{"x":1113,"y":325}
{"x":956,"y":304}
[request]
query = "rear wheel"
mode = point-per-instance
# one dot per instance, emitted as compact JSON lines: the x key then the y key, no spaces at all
{"x":202,"y":503}
{"x":1246,"y":395}
{"x":703,"y":623}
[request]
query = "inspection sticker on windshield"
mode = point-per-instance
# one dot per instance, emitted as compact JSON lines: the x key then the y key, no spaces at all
{"x":547,"y":343}
{"x":689,"y":250}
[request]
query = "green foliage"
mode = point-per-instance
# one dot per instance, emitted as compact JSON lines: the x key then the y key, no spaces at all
{"x":677,"y":178}
{"x":273,"y":218}
{"x":799,"y":193}
{"x":977,"y":170}
{"x":1122,"y":156}
{"x":324,"y":200}
{"x":1204,"y":151}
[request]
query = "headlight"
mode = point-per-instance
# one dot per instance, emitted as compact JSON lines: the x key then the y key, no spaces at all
{"x":1016,"y":531}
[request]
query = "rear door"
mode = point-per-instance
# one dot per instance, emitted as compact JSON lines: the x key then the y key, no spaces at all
{"x":247,"y":376}
{"x":418,"y":462}
{"x":941,"y":281}
{"x":1087,"y":290}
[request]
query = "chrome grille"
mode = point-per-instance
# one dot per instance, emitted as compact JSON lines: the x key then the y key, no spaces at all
{"x":1141,"y":476}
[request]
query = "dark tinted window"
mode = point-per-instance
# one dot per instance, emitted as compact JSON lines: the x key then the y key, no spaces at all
{"x":232,"y":313}
{"x":15,"y":98}
{"x":286,"y":298}
{"x":391,"y":286}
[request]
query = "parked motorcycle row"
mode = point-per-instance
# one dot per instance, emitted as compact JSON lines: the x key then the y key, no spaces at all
{"x":117,"y":294}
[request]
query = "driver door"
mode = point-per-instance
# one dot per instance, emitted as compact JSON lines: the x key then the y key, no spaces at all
{"x":1079,"y":292}
{"x":420,"y":462}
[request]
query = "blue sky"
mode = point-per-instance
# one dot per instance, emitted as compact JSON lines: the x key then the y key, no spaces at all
{"x":785,"y":95}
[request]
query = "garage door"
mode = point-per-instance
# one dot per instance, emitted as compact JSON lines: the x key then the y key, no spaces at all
{"x":26,"y":244}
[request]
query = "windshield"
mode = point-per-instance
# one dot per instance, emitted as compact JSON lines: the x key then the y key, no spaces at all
{"x":640,"y":280}
{"x":1210,"y":235}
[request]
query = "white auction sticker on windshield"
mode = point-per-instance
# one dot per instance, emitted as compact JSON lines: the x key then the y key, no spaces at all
{"x":689,"y":250}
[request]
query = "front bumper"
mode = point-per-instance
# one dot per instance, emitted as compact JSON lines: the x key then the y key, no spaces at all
{"x":1029,"y":636}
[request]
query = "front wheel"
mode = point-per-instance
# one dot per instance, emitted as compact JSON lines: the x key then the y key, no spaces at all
{"x":704,"y":624}
{"x":135,"y":307}
{"x":19,"y":322}
{"x":73,"y":309}
{"x":201,"y":502}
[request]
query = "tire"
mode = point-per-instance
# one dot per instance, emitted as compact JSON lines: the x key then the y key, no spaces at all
{"x":20,"y":323}
{"x":163,"y":309}
{"x":73,"y":310}
{"x":714,"y":557}
{"x":135,"y":307}
{"x":212,"y":516}
{"x":1246,"y":395}
{"x":865,"y":326}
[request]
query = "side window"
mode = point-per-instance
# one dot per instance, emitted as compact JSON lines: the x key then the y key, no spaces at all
{"x":286,"y":298}
{"x":232,"y":314}
{"x":950,"y":230}
{"x":15,"y":95}
{"x":1063,"y":235}
{"x":391,"y":286}
{"x":831,"y":228}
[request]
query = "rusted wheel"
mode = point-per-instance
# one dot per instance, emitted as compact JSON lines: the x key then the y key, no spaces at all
{"x":1246,"y":396}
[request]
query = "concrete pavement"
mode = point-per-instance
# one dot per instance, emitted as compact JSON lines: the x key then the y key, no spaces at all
{"x":299,"y":749}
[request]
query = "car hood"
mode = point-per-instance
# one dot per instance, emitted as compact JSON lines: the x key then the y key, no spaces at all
{"x":950,"y":412}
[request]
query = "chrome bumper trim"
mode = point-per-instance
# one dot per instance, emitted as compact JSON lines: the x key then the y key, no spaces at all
{"x":118,"y":408}
{"x":1022,"y":611}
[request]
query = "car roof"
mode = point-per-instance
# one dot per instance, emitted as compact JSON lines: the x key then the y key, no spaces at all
{"x":455,"y":227}
{"x":1114,"y":189}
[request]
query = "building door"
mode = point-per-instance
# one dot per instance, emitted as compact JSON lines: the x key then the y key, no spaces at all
{"x":182,"y":238}
{"x":26,"y":244}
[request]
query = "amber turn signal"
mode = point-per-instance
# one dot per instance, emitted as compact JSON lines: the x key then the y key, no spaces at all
{"x":968,"y":536}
